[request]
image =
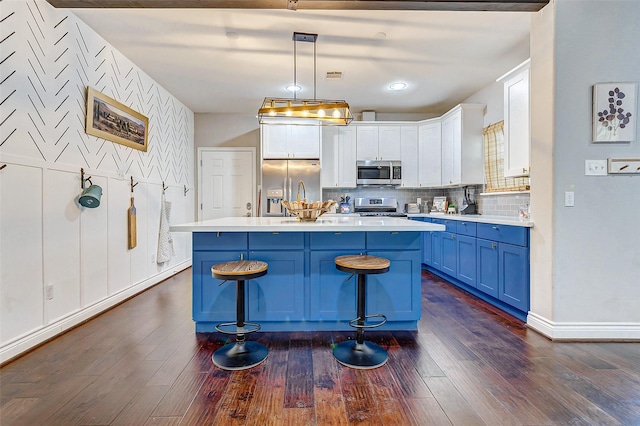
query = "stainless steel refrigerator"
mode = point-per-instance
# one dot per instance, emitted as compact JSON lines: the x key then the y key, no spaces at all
{"x":280,"y":181}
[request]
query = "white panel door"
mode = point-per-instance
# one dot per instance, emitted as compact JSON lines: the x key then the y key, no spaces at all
{"x":21,"y":276}
{"x":94,"y":236}
{"x":409,"y":155}
{"x":227,"y":183}
{"x":389,"y":143}
{"x":430,"y":153}
{"x":118,"y":201}
{"x":61,"y":230}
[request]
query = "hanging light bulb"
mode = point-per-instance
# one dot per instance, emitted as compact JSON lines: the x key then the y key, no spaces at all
{"x":336,"y":113}
{"x":321,"y":113}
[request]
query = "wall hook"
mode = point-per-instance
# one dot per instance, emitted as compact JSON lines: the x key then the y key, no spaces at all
{"x":3,"y":166}
{"x":133,"y":184}
{"x":186,"y":190}
{"x":83,"y":179}
{"x":164,"y":188}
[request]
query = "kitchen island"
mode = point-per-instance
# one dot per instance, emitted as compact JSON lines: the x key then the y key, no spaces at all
{"x":303,"y":290}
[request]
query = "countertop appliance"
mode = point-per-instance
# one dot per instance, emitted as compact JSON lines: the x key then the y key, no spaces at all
{"x":377,"y":207}
{"x":378,"y":173}
{"x":412,"y":208}
{"x":469,"y":205}
{"x":280,"y":181}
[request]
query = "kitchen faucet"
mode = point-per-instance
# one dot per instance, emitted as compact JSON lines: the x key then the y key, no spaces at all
{"x":303,"y":189}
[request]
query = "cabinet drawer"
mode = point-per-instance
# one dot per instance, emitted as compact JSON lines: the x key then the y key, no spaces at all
{"x":276,"y":240}
{"x":337,"y":240}
{"x":516,"y":235}
{"x":449,"y":223}
{"x":219,"y":241}
{"x":394,"y":240}
{"x":466,"y":228}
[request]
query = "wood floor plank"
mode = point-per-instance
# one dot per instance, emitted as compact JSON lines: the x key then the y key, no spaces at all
{"x":141,"y":363}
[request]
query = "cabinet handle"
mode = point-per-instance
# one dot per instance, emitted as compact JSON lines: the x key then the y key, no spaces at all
{"x":463,"y":223}
{"x":453,"y":237}
{"x":275,"y":233}
{"x":495,"y":227}
{"x":218,"y":234}
{"x":524,"y":170}
{"x":394,"y":233}
{"x":493,"y":246}
{"x":337,"y":233}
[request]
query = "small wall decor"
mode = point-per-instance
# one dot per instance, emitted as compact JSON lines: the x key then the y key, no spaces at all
{"x":614,"y":112}
{"x":111,"y":120}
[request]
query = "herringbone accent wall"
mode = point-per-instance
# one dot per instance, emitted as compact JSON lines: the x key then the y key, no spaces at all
{"x":43,"y":110}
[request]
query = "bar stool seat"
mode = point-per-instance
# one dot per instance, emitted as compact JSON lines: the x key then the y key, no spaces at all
{"x":359,"y":353}
{"x":242,"y":354}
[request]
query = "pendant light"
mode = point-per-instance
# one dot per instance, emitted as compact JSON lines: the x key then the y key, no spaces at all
{"x":322,"y":112}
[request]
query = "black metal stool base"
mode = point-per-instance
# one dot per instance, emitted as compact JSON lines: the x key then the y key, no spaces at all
{"x":362,"y":356}
{"x":240,"y":355}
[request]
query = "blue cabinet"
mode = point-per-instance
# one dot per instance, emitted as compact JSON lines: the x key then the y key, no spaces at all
{"x":466,"y":257}
{"x":279,"y":295}
{"x":488,"y":266}
{"x":449,"y":254}
{"x":396,"y":293}
{"x":488,"y":260}
{"x":331,"y":298}
{"x":514,"y":275}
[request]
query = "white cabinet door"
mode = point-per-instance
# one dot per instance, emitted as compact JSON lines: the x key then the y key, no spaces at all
{"x":516,"y":122}
{"x":275,"y":141}
{"x":329,"y":158}
{"x":290,"y":141}
{"x":304,"y":142}
{"x":447,"y":151}
{"x":347,"y":157}
{"x":389,"y":143}
{"x":367,"y":142}
{"x":409,"y":155}
{"x":462,"y":161}
{"x":429,"y":154}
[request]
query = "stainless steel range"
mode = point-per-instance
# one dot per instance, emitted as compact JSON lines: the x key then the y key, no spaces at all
{"x":377,"y":207}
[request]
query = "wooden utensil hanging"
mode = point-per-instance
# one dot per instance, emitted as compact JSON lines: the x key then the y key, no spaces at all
{"x":131,"y":216}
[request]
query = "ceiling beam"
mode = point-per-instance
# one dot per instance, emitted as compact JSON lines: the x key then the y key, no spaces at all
{"x":450,"y":5}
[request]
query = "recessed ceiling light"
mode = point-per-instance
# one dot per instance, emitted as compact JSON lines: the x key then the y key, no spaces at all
{"x":232,"y":35}
{"x":398,"y":86}
{"x":381,"y":35}
{"x":293,"y":88}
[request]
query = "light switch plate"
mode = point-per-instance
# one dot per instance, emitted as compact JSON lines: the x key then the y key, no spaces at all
{"x":595,"y":167}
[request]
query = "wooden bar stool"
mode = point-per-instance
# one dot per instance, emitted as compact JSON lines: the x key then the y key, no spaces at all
{"x":360,"y":353}
{"x":241,"y":354}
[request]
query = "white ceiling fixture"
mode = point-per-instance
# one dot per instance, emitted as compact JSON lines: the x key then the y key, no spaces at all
{"x":398,"y":86}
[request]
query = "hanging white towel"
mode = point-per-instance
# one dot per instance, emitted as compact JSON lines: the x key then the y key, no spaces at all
{"x":165,"y":242}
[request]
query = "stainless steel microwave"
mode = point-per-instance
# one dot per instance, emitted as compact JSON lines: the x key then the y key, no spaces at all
{"x":379,"y":173}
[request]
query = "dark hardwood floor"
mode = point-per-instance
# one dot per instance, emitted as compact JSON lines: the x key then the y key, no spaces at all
{"x":141,"y":363}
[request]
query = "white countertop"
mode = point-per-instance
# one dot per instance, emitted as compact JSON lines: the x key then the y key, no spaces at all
{"x":323,"y":224}
{"x":496,"y":220}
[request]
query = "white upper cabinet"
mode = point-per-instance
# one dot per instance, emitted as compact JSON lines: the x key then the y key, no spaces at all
{"x":290,"y":141}
{"x":409,"y":155}
{"x":375,"y":142}
{"x":430,"y":154}
{"x":338,"y":157}
{"x":516,"y":121}
{"x":462,"y":162}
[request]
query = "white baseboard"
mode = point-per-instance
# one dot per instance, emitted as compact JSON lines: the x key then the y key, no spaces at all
{"x":29,"y":341}
{"x":584,"y":331}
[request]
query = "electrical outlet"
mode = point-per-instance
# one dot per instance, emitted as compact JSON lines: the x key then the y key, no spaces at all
{"x":48,"y":291}
{"x":569,"y":199}
{"x":595,"y":167}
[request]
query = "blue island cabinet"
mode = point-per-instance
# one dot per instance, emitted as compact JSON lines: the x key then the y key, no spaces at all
{"x":303,"y":290}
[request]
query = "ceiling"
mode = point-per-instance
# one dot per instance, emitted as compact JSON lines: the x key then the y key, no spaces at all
{"x":229,"y":60}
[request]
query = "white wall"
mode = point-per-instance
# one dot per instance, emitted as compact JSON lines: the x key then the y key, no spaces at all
{"x":46,"y":237}
{"x":595,"y":254}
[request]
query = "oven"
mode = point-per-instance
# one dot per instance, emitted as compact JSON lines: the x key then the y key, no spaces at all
{"x":379,"y":173}
{"x":377,"y":207}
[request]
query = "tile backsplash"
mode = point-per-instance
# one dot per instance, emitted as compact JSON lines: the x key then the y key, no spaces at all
{"x":488,"y":204}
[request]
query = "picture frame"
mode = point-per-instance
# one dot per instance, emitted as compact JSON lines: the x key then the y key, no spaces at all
{"x":109,"y":119}
{"x":615,"y":112}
